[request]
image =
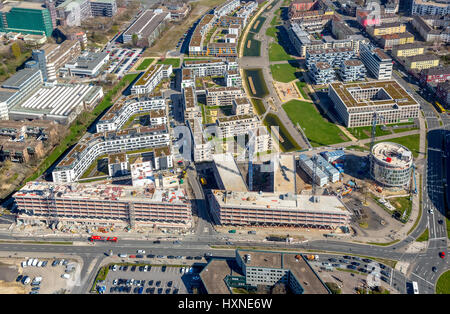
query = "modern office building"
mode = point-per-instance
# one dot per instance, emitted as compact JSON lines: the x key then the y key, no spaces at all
{"x":90,"y":148}
{"x":436,"y":7}
{"x":71,"y":13}
{"x":356,"y":102}
{"x":148,"y":26}
{"x":391,"y":164}
{"x":103,"y":205}
{"x":277,"y":209}
{"x":251,"y":268}
{"x":52,"y":57}
{"x":88,"y":64}
{"x":57,"y":102}
{"x":321,"y":73}
{"x":106,"y":8}
{"x":352,"y":70}
{"x":116,"y":117}
{"x":17,"y":88}
{"x":25,"y":17}
{"x":377,"y":62}
{"x":151,"y":78}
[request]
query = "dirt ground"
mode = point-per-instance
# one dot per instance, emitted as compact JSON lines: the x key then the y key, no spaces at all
{"x":51,"y":282}
{"x":286,"y":91}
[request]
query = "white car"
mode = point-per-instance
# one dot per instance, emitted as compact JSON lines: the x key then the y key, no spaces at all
{"x":39,"y":264}
{"x":140,"y":251}
{"x":37,"y":279}
{"x":24,"y":264}
{"x":65,"y":276}
{"x":35,"y":261}
{"x":182,"y":270}
{"x":29,"y":262}
{"x":114,"y":268}
{"x":145,"y":268}
{"x":431,"y":211}
{"x":115,"y":282}
{"x":27,"y":280}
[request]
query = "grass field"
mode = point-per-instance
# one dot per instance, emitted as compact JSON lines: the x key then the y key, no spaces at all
{"x":411,"y":142}
{"x":272,"y":31}
{"x":175,"y":62}
{"x":318,"y":130}
{"x":424,"y":236}
{"x":277,"y":53}
{"x":144,"y":64}
{"x":364,"y":132}
{"x":288,"y":143}
{"x":443,"y":283}
{"x":302,"y":88}
{"x":283,"y":72}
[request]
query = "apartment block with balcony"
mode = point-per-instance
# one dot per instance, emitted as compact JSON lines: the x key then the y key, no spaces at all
{"x":377,"y":62}
{"x":352,"y":70}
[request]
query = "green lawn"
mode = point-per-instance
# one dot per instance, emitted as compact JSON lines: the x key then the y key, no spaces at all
{"x":411,"y":142}
{"x":175,"y":62}
{"x":272,"y":31}
{"x":301,"y":87}
{"x":318,"y":130}
{"x":144,"y":64}
{"x":277,"y":53}
{"x":443,"y":283}
{"x":283,"y":72}
{"x":424,"y":236}
{"x":364,"y":132}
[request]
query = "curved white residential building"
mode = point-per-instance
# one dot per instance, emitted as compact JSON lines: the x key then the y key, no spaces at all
{"x":390,"y":164}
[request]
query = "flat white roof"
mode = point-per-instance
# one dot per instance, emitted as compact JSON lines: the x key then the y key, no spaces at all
{"x":229,"y":172}
{"x":284,"y":174}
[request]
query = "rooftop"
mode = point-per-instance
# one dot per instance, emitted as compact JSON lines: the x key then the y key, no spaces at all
{"x":229,"y":172}
{"x":393,"y":154}
{"x":284,"y":174}
{"x":279,"y":201}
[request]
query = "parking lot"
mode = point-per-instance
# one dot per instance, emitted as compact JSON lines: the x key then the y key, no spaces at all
{"x":151,"y":279}
{"x":122,"y":60}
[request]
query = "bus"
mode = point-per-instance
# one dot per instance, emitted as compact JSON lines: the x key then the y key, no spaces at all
{"x":439,"y":107}
{"x":415,"y":287}
{"x":104,"y":239}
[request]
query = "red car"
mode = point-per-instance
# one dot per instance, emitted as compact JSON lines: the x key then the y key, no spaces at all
{"x":442,"y":254}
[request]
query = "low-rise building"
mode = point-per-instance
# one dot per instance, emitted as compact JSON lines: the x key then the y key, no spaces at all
{"x":432,"y":27}
{"x":435,"y":75}
{"x":190,"y":105}
{"x":147,"y":27}
{"x":178,"y":10}
{"x":421,"y":62}
{"x":233,"y":78}
{"x":231,"y":126}
{"x":389,"y":41}
{"x":89,"y":64}
{"x":386,"y":29}
{"x":241,"y":106}
{"x":106,"y":8}
{"x":436,"y":7}
{"x":52,"y":57}
{"x":407,"y":50}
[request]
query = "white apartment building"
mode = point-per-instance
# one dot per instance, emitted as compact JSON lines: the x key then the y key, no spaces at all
{"x":236,"y":125}
{"x":151,"y":78}
{"x":222,"y":96}
{"x":241,"y":106}
{"x":233,"y":78}
{"x":190,"y":107}
{"x":187,"y":78}
{"x":439,"y":7}
{"x":126,"y":107}
{"x":226,"y":8}
{"x":90,"y":148}
{"x":352,"y":70}
{"x":356,"y":102}
{"x":377,"y":62}
{"x":200,"y":68}
{"x":201,"y":148}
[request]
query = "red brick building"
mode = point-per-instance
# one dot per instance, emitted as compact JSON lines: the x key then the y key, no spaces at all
{"x":435,"y":75}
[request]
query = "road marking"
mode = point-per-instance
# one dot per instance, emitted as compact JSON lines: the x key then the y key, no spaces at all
{"x":422,"y":279}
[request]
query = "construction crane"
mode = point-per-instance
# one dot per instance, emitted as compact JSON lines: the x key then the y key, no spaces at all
{"x":376,"y":116}
{"x":313,"y":184}
{"x":251,"y":149}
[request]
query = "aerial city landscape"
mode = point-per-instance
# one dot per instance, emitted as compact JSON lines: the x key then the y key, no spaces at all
{"x":224,"y":147}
